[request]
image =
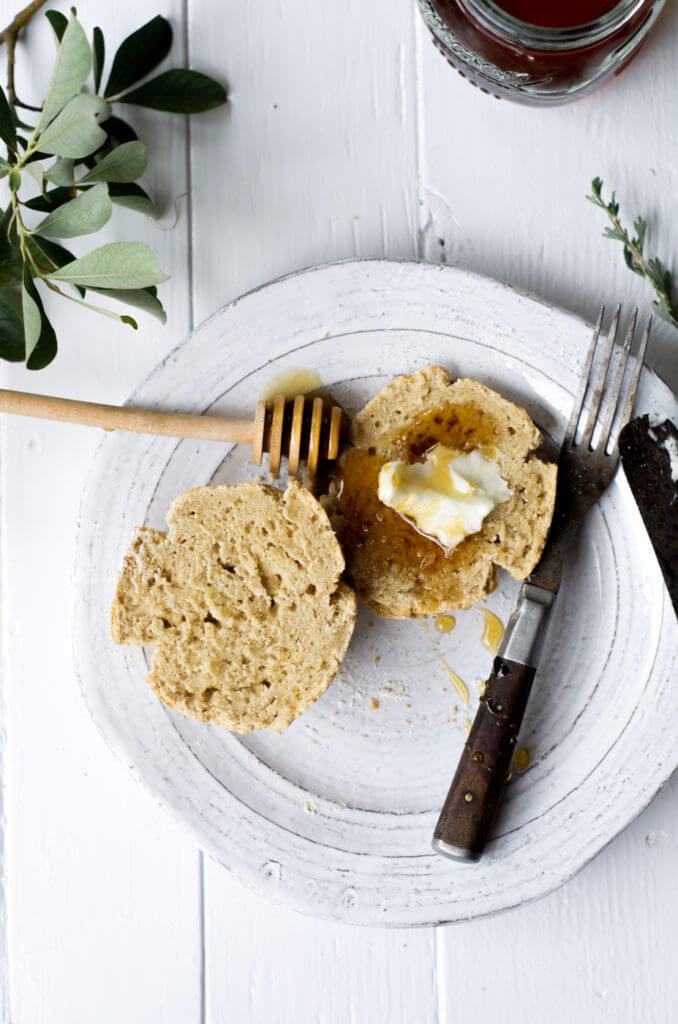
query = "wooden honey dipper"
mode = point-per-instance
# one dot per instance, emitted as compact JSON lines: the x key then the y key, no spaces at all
{"x":301,"y":427}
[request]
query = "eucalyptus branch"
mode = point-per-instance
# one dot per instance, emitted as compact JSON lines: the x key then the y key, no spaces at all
{"x":84,"y":159}
{"x":10,"y":34}
{"x":21,"y":19}
{"x":652,"y":270}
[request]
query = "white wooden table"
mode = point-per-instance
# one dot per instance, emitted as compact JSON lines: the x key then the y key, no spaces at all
{"x":346,"y":135}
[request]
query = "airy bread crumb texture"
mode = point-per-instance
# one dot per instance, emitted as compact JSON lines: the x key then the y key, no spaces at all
{"x":513,"y":534}
{"x":242,"y":602}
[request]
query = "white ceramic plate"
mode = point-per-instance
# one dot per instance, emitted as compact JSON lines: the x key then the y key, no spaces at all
{"x":335,"y":815}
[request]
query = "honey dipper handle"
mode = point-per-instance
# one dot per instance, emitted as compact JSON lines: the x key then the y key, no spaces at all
{"x":468,"y":812}
{"x":113,"y":417}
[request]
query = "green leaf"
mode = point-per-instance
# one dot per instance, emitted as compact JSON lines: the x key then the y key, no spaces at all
{"x":118,"y":131}
{"x":37,"y":173}
{"x":7,"y":248}
{"x":133,"y":197}
{"x":7,"y":130}
{"x":73,"y":63}
{"x":123,"y":164}
{"x":49,"y":256}
{"x":141,"y":298}
{"x":76,"y":131}
{"x":43,"y":348}
{"x":80,"y":216}
{"x":58,"y":21}
{"x":139,"y":54}
{"x":640,"y":227}
{"x":5,"y":167}
{"x":11,"y":334}
{"x":11,"y":272}
{"x":14,"y":180}
{"x":99,"y":52}
{"x":663,"y":311}
{"x":11,"y":262}
{"x":30,"y":307}
{"x":179,"y":91}
{"x":53,"y":198}
{"x":117,"y":265}
{"x":61,"y":172}
{"x":121,"y":318}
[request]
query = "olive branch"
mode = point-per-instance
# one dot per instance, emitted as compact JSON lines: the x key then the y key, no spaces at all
{"x":77,"y":158}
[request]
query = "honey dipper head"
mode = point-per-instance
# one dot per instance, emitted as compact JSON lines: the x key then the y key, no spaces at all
{"x":302,"y":428}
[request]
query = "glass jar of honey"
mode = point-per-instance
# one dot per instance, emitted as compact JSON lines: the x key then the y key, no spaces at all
{"x":539,"y":51}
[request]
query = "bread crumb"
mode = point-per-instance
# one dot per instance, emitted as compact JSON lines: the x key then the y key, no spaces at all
{"x":374,"y":703}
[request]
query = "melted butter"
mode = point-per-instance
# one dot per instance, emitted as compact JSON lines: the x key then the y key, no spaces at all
{"x":291,"y":383}
{"x":447,"y":495}
{"x":378,"y":537}
{"x":493,"y":630}
{"x":445,"y":623}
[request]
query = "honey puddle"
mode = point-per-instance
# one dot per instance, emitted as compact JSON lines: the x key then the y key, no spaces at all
{"x":521,"y":759}
{"x":291,"y":383}
{"x":380,"y":541}
{"x":493,"y":631}
{"x":445,"y":623}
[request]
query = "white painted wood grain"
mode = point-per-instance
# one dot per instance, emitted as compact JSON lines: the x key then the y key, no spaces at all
{"x":595,"y":951}
{"x":278,"y":967}
{"x":103,"y":896}
{"x":316,"y":159}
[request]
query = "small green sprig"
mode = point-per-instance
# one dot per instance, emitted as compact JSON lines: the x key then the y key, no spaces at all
{"x":83,"y":158}
{"x":653,"y":270}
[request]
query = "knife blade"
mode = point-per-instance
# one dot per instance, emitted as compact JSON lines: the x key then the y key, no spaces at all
{"x":649,"y":455}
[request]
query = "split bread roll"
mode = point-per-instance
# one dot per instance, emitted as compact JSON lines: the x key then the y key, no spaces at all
{"x":397,"y":571}
{"x":242,"y":602}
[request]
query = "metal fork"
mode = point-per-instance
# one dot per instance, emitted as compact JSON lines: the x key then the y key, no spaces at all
{"x":588,"y":461}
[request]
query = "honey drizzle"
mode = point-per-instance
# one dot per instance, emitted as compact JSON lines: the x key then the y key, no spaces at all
{"x":376,"y":538}
{"x":492,"y":632}
{"x":458,"y":683}
{"x":445,"y":623}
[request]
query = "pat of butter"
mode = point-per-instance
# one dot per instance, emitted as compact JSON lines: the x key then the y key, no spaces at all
{"x":447,"y":496}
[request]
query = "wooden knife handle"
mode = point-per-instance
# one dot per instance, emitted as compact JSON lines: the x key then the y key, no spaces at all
{"x":465,"y":820}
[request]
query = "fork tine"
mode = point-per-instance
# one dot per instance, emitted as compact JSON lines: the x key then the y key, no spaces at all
{"x":578,"y":401}
{"x":599,"y":385}
{"x":616,"y":386}
{"x":635,"y":379}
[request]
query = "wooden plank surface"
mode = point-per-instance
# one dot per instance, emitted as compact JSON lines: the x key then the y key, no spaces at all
{"x":103,"y":898}
{"x":346,"y":135}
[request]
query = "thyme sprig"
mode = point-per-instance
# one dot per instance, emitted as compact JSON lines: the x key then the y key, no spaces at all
{"x":651,"y":269}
